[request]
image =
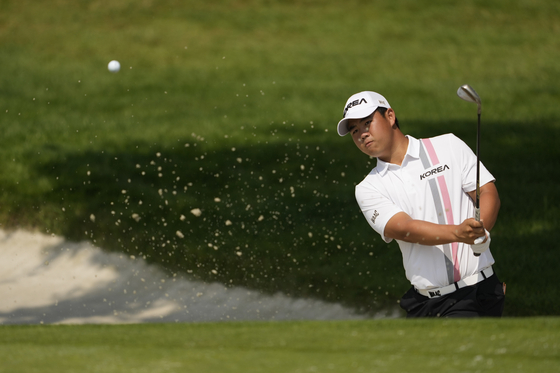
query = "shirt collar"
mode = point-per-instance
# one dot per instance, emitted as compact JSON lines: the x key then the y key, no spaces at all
{"x":413,"y":151}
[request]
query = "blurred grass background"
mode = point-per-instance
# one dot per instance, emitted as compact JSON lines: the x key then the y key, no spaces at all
{"x":230,"y":107}
{"x":506,"y":345}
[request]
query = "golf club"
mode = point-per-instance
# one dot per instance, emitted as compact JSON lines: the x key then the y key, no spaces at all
{"x":467,"y":93}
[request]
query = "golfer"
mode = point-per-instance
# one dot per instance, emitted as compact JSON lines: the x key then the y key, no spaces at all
{"x":421,"y":194}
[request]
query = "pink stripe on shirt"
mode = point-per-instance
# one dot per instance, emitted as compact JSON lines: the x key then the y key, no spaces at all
{"x":447,"y":205}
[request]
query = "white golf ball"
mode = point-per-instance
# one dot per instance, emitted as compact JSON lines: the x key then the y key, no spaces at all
{"x":114,"y":66}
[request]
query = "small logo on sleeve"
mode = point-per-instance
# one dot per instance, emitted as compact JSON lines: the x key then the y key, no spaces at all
{"x":375,"y":215}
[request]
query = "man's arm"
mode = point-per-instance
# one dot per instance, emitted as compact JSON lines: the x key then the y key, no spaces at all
{"x":489,"y":204}
{"x":403,"y":227}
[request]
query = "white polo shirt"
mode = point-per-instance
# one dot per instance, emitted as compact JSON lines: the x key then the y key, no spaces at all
{"x":430,"y":185}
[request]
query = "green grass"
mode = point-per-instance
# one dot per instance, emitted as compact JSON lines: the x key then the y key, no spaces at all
{"x":506,"y":345}
{"x":230,"y":107}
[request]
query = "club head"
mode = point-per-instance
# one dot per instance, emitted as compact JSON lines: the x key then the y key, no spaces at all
{"x":467,"y":93}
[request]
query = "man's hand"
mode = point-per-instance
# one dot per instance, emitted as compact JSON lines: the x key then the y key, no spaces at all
{"x":469,"y":230}
{"x":481,"y":244}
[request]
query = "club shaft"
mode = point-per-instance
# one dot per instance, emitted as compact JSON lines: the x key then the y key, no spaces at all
{"x":477,"y":202}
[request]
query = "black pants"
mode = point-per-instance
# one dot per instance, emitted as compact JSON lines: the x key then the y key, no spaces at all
{"x":485,"y":299}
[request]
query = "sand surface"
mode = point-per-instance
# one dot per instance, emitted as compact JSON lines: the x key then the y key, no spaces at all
{"x":45,"y":279}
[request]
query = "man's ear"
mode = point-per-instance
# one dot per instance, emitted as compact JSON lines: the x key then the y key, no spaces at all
{"x":391,"y":117}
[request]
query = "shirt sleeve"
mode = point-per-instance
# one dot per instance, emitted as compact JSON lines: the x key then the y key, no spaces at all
{"x":377,"y":208}
{"x":468,"y":160}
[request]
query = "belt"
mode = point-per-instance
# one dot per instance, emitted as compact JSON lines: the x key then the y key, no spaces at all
{"x":467,"y":281}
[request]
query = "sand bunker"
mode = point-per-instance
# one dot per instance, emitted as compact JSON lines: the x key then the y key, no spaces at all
{"x":45,"y":279}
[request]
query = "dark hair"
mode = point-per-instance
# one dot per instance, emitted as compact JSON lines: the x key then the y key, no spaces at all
{"x":383,"y":110}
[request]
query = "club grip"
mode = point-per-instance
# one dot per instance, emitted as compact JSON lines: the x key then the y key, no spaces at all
{"x":477,"y":218}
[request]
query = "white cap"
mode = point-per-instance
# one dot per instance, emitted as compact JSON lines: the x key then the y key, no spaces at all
{"x":360,"y":106}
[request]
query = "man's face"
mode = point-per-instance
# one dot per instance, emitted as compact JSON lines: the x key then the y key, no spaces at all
{"x":373,"y":134}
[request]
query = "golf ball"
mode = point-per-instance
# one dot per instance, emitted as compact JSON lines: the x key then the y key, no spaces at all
{"x":114,"y":66}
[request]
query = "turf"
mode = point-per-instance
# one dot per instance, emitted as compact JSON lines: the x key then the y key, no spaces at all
{"x":230,"y":108}
{"x":507,"y":345}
